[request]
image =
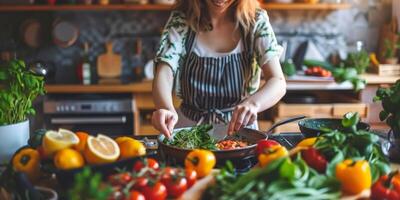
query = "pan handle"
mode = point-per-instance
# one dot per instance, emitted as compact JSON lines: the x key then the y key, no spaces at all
{"x":285,"y":121}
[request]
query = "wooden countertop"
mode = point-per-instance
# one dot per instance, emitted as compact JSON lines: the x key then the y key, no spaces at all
{"x":145,"y":86}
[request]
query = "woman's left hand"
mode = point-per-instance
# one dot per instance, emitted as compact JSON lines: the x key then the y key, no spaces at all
{"x":243,"y":115}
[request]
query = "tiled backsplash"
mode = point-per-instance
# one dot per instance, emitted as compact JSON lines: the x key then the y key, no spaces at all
{"x":329,"y":31}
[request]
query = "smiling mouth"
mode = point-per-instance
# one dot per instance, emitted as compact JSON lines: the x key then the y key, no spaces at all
{"x":219,"y":2}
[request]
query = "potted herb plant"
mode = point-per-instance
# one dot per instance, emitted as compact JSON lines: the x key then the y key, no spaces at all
{"x":358,"y":60}
{"x":390,"y":98}
{"x":19,"y":87}
{"x":390,"y":52}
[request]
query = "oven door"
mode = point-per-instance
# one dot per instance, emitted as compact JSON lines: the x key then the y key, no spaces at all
{"x":108,"y":124}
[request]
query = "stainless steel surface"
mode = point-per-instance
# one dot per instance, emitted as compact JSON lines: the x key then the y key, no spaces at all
{"x":87,"y":120}
{"x":88,"y":106}
{"x":38,"y":68}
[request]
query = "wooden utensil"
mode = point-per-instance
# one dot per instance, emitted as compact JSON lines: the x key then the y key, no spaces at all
{"x":109,"y":64}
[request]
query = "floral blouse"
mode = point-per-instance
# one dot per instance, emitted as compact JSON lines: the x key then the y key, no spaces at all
{"x":172,"y":46}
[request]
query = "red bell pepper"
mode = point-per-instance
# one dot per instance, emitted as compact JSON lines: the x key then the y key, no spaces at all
{"x":387,"y":187}
{"x":264,"y":145}
{"x":314,"y":159}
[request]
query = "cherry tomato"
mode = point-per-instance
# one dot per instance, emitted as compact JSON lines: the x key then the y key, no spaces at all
{"x":120,"y":179}
{"x":191,"y":177}
{"x":265,"y":144}
{"x":135,"y":195}
{"x":140,"y":183}
{"x":176,"y":186}
{"x":167,"y":173}
{"x":148,"y":162}
{"x":157,"y":191}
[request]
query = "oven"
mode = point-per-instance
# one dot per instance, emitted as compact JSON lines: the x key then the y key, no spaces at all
{"x":109,"y":114}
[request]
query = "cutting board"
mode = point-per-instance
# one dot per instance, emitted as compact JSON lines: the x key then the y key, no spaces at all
{"x":109,"y":64}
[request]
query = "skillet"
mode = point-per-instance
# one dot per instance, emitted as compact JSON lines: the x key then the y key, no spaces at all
{"x":177,"y":155}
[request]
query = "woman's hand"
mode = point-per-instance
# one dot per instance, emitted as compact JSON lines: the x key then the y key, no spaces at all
{"x":243,"y":115}
{"x":164,"y":120}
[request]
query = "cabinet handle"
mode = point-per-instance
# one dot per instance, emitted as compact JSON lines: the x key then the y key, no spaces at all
{"x":89,"y":120}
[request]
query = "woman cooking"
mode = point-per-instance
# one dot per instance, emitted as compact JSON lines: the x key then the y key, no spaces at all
{"x":213,"y":53}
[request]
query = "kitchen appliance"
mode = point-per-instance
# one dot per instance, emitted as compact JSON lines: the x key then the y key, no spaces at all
{"x":110,"y":114}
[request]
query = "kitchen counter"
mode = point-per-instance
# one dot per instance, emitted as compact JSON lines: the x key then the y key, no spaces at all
{"x":146,"y":86}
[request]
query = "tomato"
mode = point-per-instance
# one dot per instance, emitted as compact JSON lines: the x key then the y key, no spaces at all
{"x":191,"y":177}
{"x":140,"y":183}
{"x":265,"y":144}
{"x":135,"y":195}
{"x":148,"y":162}
{"x":176,"y":186}
{"x":157,"y":191}
{"x":120,"y":179}
{"x":167,"y":173}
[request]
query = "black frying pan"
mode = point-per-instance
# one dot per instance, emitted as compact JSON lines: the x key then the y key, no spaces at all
{"x":177,"y":155}
{"x":314,"y":127}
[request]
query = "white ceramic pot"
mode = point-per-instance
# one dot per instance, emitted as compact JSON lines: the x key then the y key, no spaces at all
{"x":13,"y":137}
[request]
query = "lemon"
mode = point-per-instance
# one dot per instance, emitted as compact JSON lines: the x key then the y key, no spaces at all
{"x":54,"y":141}
{"x":131,"y":148}
{"x":101,"y":149}
{"x":68,"y":159}
{"x":121,"y":139}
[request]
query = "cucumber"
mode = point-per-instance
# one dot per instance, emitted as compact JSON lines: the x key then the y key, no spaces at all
{"x":323,"y":64}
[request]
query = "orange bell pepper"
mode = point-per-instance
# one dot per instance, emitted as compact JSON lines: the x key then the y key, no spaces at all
{"x":271,"y":154}
{"x":355,"y":176}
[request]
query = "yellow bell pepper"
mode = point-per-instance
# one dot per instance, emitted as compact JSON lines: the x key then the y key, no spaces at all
{"x":308,"y":142}
{"x":27,"y":161}
{"x":272,"y":154}
{"x":201,"y":161}
{"x":355,"y":176}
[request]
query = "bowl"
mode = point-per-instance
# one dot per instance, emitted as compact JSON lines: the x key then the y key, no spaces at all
{"x":314,"y":127}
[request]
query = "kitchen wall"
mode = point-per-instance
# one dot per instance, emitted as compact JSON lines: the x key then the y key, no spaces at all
{"x":331,"y":32}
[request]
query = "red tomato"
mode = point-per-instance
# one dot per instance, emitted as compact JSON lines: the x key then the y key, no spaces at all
{"x":167,"y":173}
{"x":148,"y":162}
{"x":135,"y":195}
{"x":140,"y":183}
{"x":157,"y":191}
{"x":120,"y":179}
{"x":191,"y":177}
{"x":265,"y":144}
{"x":176,"y":186}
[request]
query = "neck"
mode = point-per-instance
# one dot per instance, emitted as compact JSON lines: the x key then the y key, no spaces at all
{"x":219,"y":16}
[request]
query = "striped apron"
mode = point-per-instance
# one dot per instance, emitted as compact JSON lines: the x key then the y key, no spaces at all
{"x":212,"y":86}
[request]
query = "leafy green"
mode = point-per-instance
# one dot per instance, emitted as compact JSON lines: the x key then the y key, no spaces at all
{"x":390,"y":98}
{"x":353,"y":144}
{"x":281,"y":179}
{"x":340,"y":73}
{"x":19,"y":89}
{"x":194,"y":138}
{"x":358,"y":60}
{"x":87,"y":186}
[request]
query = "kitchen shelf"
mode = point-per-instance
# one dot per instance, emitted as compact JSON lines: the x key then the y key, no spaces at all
{"x":160,"y":7}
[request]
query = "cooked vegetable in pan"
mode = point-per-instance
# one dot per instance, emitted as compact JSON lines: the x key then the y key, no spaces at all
{"x":194,"y":138}
{"x":198,"y":138}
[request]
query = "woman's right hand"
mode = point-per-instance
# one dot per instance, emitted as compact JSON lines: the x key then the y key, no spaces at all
{"x":164,"y":121}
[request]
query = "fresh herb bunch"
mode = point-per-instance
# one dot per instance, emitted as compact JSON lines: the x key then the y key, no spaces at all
{"x":390,"y":48}
{"x":281,"y":179}
{"x":337,"y":146}
{"x":390,"y":98}
{"x":87,"y":186}
{"x":358,"y":60}
{"x":194,"y":138}
{"x":340,"y":73}
{"x":19,"y":88}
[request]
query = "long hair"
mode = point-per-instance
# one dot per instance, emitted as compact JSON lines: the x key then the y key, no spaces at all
{"x":243,"y":13}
